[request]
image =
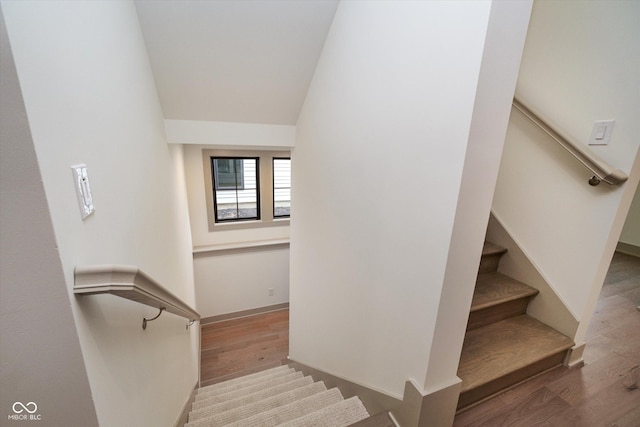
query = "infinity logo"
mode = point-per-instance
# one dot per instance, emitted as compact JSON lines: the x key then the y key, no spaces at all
{"x":22,"y":407}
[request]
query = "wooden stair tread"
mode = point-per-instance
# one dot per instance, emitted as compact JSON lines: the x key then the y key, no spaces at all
{"x":498,"y":349}
{"x":492,"y":249}
{"x":491,"y":254}
{"x":495,"y":288}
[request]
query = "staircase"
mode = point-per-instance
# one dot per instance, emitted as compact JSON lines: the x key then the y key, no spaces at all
{"x":503,"y":345}
{"x":279,"y":396}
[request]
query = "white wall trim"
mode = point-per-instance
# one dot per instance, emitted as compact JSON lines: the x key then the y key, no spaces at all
{"x":574,"y":357}
{"x":231,"y":135}
{"x":374,"y":400}
{"x":433,"y":408}
{"x":226,"y":247}
{"x":184,"y":415}
{"x":629,"y":249}
{"x":244,"y":313}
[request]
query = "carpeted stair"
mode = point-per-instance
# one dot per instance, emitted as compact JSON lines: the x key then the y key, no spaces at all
{"x":276,"y":397}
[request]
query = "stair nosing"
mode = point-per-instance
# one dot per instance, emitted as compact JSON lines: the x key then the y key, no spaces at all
{"x":492,"y":249}
{"x":530,"y":292}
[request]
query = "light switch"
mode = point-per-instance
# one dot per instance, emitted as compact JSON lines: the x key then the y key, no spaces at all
{"x":601,"y":132}
{"x":83,"y":190}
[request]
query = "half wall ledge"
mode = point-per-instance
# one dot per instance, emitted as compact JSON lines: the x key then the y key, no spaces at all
{"x":131,"y":283}
{"x":239,"y":246}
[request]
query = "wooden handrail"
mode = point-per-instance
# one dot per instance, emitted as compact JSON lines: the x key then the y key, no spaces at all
{"x":602,"y":170}
{"x":129,"y":282}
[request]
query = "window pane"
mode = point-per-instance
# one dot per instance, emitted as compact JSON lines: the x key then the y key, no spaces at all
{"x":229,"y":173}
{"x":281,"y":187}
{"x":236,"y":189}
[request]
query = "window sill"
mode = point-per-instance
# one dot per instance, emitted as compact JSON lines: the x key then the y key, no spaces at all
{"x":199,"y":250}
{"x":243,"y":225}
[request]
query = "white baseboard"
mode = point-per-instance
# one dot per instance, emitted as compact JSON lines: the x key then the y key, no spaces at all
{"x":629,"y":249}
{"x":374,"y":400}
{"x":244,"y":313}
{"x":184,"y":416}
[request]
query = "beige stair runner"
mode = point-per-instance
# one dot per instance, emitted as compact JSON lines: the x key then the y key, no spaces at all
{"x":275,"y":397}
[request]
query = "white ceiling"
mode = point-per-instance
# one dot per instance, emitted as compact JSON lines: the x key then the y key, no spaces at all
{"x":234,"y":60}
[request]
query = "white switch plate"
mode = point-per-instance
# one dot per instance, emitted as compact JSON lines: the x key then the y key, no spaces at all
{"x":601,"y":132}
{"x":83,"y":190}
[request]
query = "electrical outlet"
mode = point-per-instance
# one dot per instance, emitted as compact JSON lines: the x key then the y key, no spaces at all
{"x":271,"y":292}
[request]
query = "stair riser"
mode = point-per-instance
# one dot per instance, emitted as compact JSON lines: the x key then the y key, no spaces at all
{"x":478,"y":394}
{"x":496,"y":313}
{"x":489,"y":263}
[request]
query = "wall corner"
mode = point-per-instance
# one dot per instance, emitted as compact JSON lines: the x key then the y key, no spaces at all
{"x":435,"y":408}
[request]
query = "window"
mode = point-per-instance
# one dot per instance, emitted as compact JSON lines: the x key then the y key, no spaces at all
{"x":247,"y":188}
{"x":281,"y":187}
{"x":229,"y":174}
{"x":236,"y":183}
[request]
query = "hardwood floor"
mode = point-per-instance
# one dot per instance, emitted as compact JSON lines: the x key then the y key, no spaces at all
{"x":238,"y":347}
{"x":601,"y":393}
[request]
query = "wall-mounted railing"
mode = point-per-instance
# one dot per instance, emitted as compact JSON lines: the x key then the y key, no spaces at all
{"x":601,"y":170}
{"x":129,"y":282}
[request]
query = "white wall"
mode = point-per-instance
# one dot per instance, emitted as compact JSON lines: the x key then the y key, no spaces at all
{"x":233,"y":280}
{"x":393,"y":96}
{"x":90,"y":98}
{"x":237,"y":280}
{"x":504,"y":43}
{"x":40,"y":355}
{"x":631,"y":231}
{"x":576,"y":68}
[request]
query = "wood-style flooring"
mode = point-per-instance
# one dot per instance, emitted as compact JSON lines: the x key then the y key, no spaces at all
{"x":238,"y":347}
{"x":602,"y":393}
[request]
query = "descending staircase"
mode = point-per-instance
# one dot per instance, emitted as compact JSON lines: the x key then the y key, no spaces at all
{"x":279,"y":396}
{"x":503,"y":345}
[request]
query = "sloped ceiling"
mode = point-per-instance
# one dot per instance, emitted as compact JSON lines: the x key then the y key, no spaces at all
{"x":234,"y":60}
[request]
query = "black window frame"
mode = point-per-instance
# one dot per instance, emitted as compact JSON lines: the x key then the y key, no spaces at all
{"x":215,"y":188}
{"x":265,"y":194}
{"x":273,"y":186}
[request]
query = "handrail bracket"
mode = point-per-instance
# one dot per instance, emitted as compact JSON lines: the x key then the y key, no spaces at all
{"x":145,"y":320}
